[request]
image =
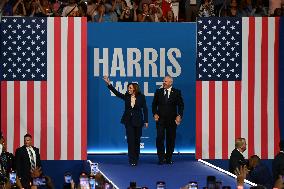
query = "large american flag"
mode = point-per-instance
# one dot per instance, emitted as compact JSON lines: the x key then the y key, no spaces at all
{"x":44,"y":85}
{"x":237,"y":86}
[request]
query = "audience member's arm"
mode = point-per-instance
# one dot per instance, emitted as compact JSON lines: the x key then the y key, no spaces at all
{"x":40,"y":7}
{"x":241,"y":175}
{"x":36,"y":172}
{"x":18,"y":183}
{"x":113,"y":6}
{"x":135,"y":7}
{"x":16,"y":6}
{"x":122,"y":15}
{"x":49,"y":182}
{"x":73,"y":185}
{"x":159,"y":12}
{"x":2,"y":4}
{"x":279,"y":183}
{"x":24,"y":9}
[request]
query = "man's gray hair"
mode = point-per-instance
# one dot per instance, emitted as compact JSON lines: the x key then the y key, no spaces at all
{"x":172,"y":80}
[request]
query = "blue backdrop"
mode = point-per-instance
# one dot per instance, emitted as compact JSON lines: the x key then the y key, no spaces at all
{"x":143,"y":53}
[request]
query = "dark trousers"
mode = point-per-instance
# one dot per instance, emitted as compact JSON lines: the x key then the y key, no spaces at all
{"x":133,"y":135}
{"x":168,"y":129}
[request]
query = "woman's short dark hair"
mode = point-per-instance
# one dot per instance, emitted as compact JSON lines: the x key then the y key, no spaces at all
{"x":28,"y":135}
{"x":136,"y":88}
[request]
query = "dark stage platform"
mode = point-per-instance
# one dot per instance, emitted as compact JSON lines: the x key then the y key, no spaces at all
{"x":185,"y":168}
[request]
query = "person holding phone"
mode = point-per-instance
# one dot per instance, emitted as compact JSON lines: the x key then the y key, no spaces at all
{"x":12,"y":178}
{"x":13,"y":181}
{"x":135,"y":116}
{"x":68,"y":181}
{"x":145,"y":14}
{"x":84,"y":182}
{"x":167,"y":109}
{"x":161,"y":185}
{"x":92,"y":182}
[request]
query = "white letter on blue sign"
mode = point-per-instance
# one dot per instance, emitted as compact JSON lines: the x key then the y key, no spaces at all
{"x":162,"y":62}
{"x":98,"y":61}
{"x":117,"y":63}
{"x":131,"y":61}
{"x":175,"y":63}
{"x":150,"y":62}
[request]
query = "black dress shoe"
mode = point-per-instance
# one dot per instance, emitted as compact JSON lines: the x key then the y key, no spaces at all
{"x":169,"y":161}
{"x":133,"y":164}
{"x":162,"y":161}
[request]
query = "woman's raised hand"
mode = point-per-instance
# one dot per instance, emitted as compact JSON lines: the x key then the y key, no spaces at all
{"x":106,"y":79}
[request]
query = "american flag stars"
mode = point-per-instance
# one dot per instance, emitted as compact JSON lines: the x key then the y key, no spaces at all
{"x":219,"y":49}
{"x":24,"y":41}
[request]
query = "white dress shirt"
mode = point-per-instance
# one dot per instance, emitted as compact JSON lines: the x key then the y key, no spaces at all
{"x":133,"y":99}
{"x":33,"y":154}
{"x":169,"y":91}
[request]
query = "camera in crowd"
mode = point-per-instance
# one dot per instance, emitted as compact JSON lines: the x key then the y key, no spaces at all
{"x":133,"y":185}
{"x":39,"y":181}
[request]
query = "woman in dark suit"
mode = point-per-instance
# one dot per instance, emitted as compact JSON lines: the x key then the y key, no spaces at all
{"x":135,"y":116}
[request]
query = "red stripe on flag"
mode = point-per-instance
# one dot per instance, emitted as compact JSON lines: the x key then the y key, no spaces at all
{"x":251,"y":85}
{"x":43,"y":112}
{"x":4,"y":108}
{"x":30,"y":108}
{"x":70,"y":89}
{"x":212,"y":119}
{"x":224,"y":120}
{"x":17,"y":114}
{"x":57,"y":88}
{"x":264,"y":89}
{"x":276,"y":86}
{"x":198,"y":152}
{"x":238,"y":109}
{"x":84,"y":88}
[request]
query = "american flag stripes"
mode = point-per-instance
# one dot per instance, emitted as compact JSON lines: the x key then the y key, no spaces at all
{"x":245,"y":106}
{"x":44,"y":85}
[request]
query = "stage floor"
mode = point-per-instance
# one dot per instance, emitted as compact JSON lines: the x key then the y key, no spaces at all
{"x":185,"y":168}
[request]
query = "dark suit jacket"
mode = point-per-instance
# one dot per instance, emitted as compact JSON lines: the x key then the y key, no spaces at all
{"x":170,"y":109}
{"x":278,"y":165}
{"x":261,"y":175}
{"x":23,"y":165}
{"x":236,"y":160}
{"x":136,"y":116}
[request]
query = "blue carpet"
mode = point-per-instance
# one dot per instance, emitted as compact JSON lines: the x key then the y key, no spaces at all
{"x":148,"y":172}
{"x":56,"y":169}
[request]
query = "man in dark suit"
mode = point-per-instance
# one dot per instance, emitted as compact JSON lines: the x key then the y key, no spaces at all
{"x":167,"y":109}
{"x":28,"y":162}
{"x":237,"y":159}
{"x":278,"y":162}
